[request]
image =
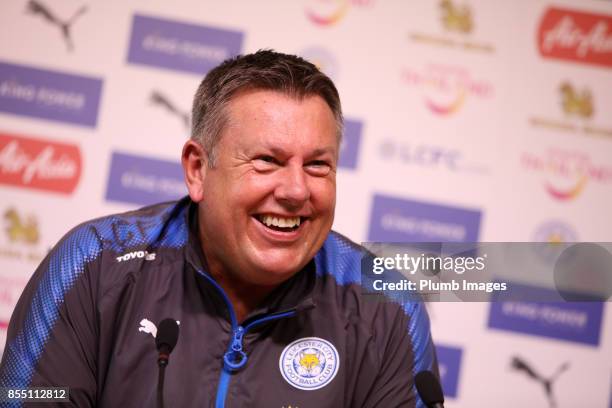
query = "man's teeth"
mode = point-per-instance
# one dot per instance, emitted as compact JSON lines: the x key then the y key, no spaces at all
{"x":289,"y":222}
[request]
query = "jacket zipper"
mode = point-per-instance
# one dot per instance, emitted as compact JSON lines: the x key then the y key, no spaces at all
{"x":235,"y":358}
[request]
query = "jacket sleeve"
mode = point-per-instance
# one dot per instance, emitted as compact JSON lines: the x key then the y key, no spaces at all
{"x":52,"y":335}
{"x":407,"y":350}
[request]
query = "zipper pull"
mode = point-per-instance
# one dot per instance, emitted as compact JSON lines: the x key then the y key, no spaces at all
{"x":234,"y":359}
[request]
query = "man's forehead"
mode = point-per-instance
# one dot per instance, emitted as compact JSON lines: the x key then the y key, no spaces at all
{"x":277,"y":117}
{"x":257,"y":100}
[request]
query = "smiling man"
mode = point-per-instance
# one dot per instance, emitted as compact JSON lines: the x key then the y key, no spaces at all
{"x":268,"y":298}
{"x":270,"y":186}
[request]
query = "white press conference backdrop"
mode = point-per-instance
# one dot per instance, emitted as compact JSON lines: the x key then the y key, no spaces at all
{"x":466,"y":120}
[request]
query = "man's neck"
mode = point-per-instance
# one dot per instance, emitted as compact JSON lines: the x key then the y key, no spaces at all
{"x":244,"y":297}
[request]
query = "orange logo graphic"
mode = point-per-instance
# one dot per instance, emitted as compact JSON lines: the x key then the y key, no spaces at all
{"x":446,"y":88}
{"x":329,"y":12}
{"x":569,"y":193}
{"x":567,"y":172}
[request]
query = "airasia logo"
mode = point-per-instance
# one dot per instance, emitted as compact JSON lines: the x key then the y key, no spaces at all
{"x":576,"y":36}
{"x":39,"y":164}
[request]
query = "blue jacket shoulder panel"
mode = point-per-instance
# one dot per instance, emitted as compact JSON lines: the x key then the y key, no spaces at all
{"x":342,"y":259}
{"x":38,"y":309}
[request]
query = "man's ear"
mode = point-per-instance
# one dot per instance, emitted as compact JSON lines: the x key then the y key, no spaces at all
{"x":195,"y":165}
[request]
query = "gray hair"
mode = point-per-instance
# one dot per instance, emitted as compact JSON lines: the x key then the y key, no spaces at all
{"x":265,"y":69}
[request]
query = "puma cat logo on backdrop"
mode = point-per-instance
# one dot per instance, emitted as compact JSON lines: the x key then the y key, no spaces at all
{"x":37,"y":8}
{"x":521,"y":365}
{"x":160,"y":99}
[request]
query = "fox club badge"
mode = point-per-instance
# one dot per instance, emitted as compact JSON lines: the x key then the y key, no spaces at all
{"x":309,"y":363}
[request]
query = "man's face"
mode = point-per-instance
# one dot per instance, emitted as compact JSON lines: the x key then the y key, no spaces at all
{"x":269,"y":200}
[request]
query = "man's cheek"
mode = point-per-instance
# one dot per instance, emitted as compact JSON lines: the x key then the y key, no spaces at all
{"x":324,"y":188}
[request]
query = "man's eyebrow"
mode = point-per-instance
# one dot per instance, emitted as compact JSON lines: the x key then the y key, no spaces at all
{"x":323,"y":150}
{"x":317,"y":152}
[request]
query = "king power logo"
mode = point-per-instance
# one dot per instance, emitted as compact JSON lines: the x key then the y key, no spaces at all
{"x":576,"y":322}
{"x":39,"y":164}
{"x":395,"y":219}
{"x":577,"y":112}
{"x":52,"y":95}
{"x":576,"y":36}
{"x":566,"y":173}
{"x":144,"y":180}
{"x":458,"y":23}
{"x":180,"y":46}
{"x":449,"y":362}
{"x":351,"y":141}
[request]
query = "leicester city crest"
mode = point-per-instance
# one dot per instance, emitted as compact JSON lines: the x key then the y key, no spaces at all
{"x":309,"y":363}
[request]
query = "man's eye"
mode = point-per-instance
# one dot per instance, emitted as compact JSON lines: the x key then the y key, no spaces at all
{"x":264,"y":162}
{"x":267,"y":159}
{"x":319,"y":167}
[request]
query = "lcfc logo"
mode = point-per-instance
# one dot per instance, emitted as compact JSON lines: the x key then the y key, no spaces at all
{"x":309,"y":363}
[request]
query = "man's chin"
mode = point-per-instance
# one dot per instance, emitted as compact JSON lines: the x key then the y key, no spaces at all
{"x":275,"y":272}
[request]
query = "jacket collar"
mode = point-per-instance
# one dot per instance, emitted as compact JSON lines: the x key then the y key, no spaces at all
{"x":296,"y":293}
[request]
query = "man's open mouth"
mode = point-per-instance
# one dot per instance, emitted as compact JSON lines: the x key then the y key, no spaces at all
{"x":282,"y":224}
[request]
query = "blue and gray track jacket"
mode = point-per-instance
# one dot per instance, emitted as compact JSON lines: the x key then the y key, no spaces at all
{"x":86,"y":320}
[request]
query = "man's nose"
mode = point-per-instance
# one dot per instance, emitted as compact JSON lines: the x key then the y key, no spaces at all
{"x":292,"y":188}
